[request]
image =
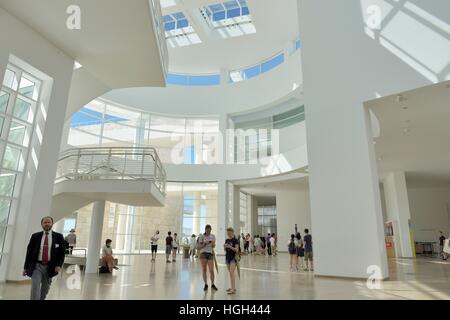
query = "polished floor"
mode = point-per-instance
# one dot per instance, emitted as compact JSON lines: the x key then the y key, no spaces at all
{"x":262,"y":277}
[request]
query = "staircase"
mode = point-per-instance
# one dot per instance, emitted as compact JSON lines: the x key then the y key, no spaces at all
{"x":131,"y":176}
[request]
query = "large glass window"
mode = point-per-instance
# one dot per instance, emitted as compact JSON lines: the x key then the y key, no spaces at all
{"x":267,"y":220}
{"x":177,"y":140}
{"x":19,"y":96}
{"x":188,"y":208}
{"x":244,"y":212}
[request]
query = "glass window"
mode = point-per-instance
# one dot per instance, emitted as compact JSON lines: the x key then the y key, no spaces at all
{"x":18,"y":134}
{"x":2,"y":238}
{"x":10,"y":79}
{"x":4,"y":211}
{"x":22,"y":110}
{"x":7,"y":183}
{"x":177,"y":79}
{"x":2,"y":121}
{"x":204,"y":80}
{"x":272,"y":63}
{"x":28,"y":88}
{"x":4,"y":98}
{"x":13,"y":159}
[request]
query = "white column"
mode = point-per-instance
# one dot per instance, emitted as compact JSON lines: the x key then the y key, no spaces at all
{"x":222,"y":215}
{"x":236,"y":210}
{"x":293,"y":207}
{"x":95,"y":237}
{"x":397,"y":208}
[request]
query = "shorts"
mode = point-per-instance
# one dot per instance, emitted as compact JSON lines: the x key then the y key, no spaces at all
{"x":168,"y":249}
{"x":308,"y":255}
{"x":154,"y":248}
{"x":230,"y":261}
{"x":207,"y":255}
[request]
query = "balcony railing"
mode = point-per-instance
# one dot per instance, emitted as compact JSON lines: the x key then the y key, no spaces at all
{"x":133,"y":163}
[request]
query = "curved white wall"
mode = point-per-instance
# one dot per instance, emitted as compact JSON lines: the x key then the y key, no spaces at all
{"x":226,"y":98}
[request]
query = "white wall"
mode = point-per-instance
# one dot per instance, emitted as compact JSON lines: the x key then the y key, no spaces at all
{"x":429,"y":211}
{"x":56,"y":68}
{"x":227,"y":98}
{"x":344,"y":65}
{"x":293,"y":207}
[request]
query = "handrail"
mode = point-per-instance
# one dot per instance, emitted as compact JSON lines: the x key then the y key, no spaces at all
{"x":112,"y":163}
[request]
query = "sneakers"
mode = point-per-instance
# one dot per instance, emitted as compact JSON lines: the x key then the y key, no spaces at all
{"x":167,"y":261}
{"x":205,"y":288}
{"x":213,"y":286}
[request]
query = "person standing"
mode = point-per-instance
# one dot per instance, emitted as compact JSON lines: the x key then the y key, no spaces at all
{"x":154,"y":244}
{"x":308,"y":251}
{"x":231,"y":247}
{"x":169,"y":243}
{"x":269,"y":244}
{"x":273,"y":244}
{"x":44,"y":259}
{"x":174,"y":247}
{"x":300,"y":250}
{"x":442,"y":254}
{"x":206,"y":244}
{"x":292,"y":250}
{"x":241,"y":243}
{"x":71,"y":239}
{"x":193,"y":246}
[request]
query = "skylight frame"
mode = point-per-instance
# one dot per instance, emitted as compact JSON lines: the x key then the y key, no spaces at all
{"x":227,"y":13}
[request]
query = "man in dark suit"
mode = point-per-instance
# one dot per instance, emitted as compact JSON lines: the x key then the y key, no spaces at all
{"x":45,"y":258}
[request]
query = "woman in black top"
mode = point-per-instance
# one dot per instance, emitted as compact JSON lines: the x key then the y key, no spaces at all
{"x":231,"y":247}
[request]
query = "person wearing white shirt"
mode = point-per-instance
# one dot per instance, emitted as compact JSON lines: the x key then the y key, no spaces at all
{"x":107,"y":256}
{"x":154,"y":244}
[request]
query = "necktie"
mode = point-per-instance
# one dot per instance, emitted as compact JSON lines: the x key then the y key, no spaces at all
{"x":45,"y":250}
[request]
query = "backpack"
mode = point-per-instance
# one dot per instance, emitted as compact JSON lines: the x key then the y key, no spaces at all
{"x":291,"y":248}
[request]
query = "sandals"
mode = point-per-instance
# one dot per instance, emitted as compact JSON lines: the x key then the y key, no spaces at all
{"x":231,"y":292}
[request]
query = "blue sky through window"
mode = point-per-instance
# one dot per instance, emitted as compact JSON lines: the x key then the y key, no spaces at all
{"x":89,"y":117}
{"x":193,"y":80}
{"x":175,"y":21}
{"x":227,"y":10}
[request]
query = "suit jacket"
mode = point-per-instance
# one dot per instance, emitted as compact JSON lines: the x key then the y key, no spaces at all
{"x":57,"y":253}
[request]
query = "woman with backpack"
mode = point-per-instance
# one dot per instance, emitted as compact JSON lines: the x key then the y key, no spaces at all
{"x":300,"y":250}
{"x":293,"y":253}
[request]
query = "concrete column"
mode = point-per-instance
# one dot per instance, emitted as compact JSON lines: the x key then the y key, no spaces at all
{"x":196,"y":218}
{"x":222,"y":215}
{"x":236,"y":210}
{"x":397,"y":208}
{"x":223,"y":140}
{"x":250,"y":214}
{"x":95,"y":237}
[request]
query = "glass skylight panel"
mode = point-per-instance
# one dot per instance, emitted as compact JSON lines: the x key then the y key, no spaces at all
{"x":179,"y":32}
{"x":230,"y":18}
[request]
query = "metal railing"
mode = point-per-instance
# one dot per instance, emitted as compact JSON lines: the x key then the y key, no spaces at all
{"x":119,"y":163}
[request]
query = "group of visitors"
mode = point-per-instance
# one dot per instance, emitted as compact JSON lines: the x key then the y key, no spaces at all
{"x":300,"y":252}
{"x":258,"y":244}
{"x":46,"y":251}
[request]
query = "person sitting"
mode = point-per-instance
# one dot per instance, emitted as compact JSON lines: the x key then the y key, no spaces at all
{"x":107,"y":256}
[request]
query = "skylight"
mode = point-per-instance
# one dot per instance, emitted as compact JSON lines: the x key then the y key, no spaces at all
{"x":179,"y":32}
{"x":230,"y":18}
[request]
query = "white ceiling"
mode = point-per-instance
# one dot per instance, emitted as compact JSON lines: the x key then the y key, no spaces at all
{"x":415,"y":133}
{"x":276,"y":23}
{"x":116,"y":42}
